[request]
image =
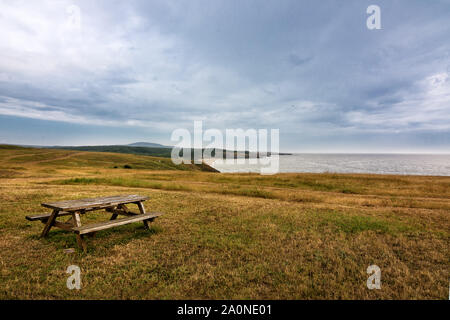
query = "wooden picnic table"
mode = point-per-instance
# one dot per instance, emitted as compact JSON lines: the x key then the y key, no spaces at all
{"x":116,"y":205}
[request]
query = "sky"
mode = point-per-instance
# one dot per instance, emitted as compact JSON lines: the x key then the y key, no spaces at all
{"x":116,"y":72}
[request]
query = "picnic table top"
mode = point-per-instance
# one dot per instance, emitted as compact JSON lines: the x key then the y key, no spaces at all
{"x":73,"y":205}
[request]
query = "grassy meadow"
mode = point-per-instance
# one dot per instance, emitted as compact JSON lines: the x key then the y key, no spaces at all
{"x":223,"y":236}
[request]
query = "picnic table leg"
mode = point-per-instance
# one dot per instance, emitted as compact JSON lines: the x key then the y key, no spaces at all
{"x":115,"y":215}
{"x":49,"y":223}
{"x":77,"y":223}
{"x":142,"y":211}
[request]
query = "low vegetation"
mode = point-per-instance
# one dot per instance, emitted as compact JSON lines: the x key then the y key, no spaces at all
{"x":154,"y":152}
{"x":164,"y":152}
{"x":223,"y":236}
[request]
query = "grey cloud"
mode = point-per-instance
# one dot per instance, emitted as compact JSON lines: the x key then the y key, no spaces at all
{"x":296,"y":65}
{"x":297,"y":60}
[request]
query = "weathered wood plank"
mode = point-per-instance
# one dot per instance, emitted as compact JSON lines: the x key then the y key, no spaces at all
{"x":142,"y":211}
{"x":122,"y":212}
{"x":63,"y":225}
{"x":76,"y":219}
{"x":114,"y":223}
{"x":49,"y":223}
{"x":114,"y":210}
{"x":94,"y":203}
{"x":77,"y":224}
{"x":45,"y":216}
{"x":141,"y":207}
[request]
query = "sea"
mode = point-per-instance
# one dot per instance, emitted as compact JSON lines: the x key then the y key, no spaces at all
{"x":397,"y":164}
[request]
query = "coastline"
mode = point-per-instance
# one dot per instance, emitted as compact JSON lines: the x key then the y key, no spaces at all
{"x":380,"y":164}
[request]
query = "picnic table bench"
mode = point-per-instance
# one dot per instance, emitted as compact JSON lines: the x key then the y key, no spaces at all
{"x":116,"y":205}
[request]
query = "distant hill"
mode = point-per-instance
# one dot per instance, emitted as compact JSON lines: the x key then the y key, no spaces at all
{"x":148,"y":145}
{"x":136,"y":144}
{"x":145,"y":151}
{"x":16,"y":159}
{"x":165,"y":152}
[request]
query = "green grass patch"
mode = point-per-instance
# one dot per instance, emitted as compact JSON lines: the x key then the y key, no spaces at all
{"x":123,"y":182}
{"x":249,"y":192}
{"x":353,"y":224}
{"x":357,"y":224}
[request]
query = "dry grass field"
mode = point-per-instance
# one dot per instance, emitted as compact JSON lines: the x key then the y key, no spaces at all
{"x":223,"y":236}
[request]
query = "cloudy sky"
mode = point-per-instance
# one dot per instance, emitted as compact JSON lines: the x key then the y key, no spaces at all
{"x":113,"y":72}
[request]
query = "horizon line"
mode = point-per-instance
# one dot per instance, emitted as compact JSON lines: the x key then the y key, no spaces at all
{"x":282,"y":153}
